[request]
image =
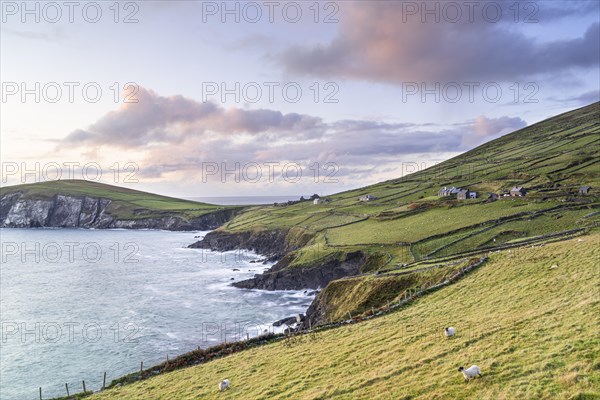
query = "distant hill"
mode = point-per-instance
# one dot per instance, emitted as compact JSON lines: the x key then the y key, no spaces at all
{"x":408,"y":222}
{"x":86,"y":204}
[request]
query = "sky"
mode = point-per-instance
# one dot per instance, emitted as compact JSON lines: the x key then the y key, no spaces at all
{"x":193,"y":99}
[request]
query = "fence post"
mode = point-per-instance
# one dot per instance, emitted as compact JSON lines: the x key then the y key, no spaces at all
{"x":40,"y":393}
{"x":104,"y":381}
{"x":67,"y":387}
{"x":141,"y":368}
{"x":83,"y":382}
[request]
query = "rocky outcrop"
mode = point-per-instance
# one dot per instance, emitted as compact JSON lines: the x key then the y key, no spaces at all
{"x":285,"y":321}
{"x":274,"y":244}
{"x":24,"y":213}
{"x":67,"y":211}
{"x":279,"y":277}
{"x":315,"y":315}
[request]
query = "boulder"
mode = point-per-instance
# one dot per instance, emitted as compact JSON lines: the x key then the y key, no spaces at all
{"x":285,"y":321}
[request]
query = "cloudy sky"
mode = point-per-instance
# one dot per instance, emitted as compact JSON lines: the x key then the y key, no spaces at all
{"x":192,"y":98}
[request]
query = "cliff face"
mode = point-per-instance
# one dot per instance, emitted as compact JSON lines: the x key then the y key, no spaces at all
{"x":63,"y":211}
{"x":314,"y":277}
{"x":276,"y":245}
{"x":273,"y":244}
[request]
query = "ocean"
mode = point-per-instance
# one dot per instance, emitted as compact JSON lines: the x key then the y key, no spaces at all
{"x":77,"y":303}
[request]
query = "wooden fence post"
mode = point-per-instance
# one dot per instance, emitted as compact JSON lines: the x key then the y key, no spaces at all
{"x":104,"y":381}
{"x":83,"y":383}
{"x":141,"y":368}
{"x":67,"y":387}
{"x":40,"y":393}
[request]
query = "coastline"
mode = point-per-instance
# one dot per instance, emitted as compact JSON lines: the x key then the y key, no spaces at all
{"x":169,"y":254}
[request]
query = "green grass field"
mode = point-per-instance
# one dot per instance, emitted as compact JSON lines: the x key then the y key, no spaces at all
{"x":433,"y":222}
{"x":532,"y":328}
{"x":552,"y":159}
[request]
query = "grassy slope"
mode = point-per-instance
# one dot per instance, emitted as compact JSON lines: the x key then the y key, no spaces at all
{"x":126,"y":203}
{"x":552,"y":159}
{"x":532,"y":329}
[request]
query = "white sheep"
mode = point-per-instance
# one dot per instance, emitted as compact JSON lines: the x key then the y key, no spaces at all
{"x":450,"y":331}
{"x":471,"y":372}
{"x":224,"y":384}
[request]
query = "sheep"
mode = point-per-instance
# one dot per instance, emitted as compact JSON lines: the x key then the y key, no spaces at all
{"x":470,"y":372}
{"x":224,"y":384}
{"x":450,"y":331}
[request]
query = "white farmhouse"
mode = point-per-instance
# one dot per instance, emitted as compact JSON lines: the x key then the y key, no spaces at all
{"x":367,"y":197}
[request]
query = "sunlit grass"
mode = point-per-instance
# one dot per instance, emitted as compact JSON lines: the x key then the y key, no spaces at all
{"x":531,"y":328}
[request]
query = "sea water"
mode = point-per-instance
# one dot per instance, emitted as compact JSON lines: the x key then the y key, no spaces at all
{"x":77,"y":303}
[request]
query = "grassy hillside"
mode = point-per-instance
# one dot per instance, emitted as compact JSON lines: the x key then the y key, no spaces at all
{"x":529,"y":318}
{"x":409,"y":222}
{"x":126,"y":203}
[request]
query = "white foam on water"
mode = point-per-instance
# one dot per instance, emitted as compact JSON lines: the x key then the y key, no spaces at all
{"x":114,"y":314}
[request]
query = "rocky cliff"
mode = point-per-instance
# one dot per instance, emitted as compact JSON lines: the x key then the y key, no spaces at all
{"x":66,"y":211}
{"x":280,"y":277}
{"x":276,"y":245}
{"x":273,"y":244}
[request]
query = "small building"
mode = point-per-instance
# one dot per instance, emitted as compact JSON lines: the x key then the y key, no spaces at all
{"x":446,"y":191}
{"x":585,"y":189}
{"x":366,"y":197}
{"x":465,"y":194}
{"x":462,"y":194}
{"x":321,"y":200}
{"x":517,"y":191}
